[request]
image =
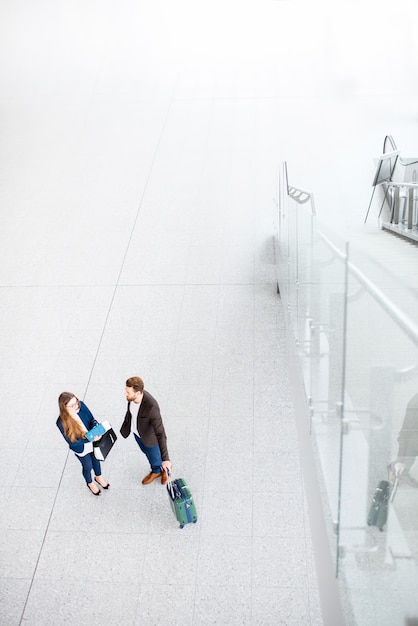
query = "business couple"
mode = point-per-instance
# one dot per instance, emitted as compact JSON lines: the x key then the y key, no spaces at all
{"x":143,"y":419}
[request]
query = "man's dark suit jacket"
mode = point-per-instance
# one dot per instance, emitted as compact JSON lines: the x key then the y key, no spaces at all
{"x":150,"y":425}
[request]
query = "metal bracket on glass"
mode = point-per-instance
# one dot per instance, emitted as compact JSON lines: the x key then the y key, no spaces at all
{"x":323,"y":414}
{"x":320,"y":325}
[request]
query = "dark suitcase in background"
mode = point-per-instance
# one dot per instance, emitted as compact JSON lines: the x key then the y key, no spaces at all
{"x":181,"y":501}
{"x":379,"y":509}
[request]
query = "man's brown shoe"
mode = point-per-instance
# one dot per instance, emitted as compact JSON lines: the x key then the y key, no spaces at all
{"x":150,"y":477}
{"x":164,"y":477}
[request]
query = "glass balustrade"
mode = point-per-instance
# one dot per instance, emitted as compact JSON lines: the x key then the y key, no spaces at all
{"x":356,"y":338}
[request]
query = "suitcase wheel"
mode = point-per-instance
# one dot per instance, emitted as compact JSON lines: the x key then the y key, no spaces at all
{"x":181,"y":526}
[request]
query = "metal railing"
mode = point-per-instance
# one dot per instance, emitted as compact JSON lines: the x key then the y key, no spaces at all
{"x":401,"y":195}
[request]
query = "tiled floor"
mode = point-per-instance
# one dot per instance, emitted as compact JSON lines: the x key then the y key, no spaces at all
{"x":138,"y":163}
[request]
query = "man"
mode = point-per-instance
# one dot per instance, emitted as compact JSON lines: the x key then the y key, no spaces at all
{"x":143,"y":419}
{"x":408,"y":446}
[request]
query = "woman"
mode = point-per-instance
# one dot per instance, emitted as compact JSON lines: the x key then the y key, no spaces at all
{"x":74,"y":421}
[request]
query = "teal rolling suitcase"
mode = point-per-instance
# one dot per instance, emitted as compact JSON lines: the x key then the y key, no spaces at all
{"x":181,"y":501}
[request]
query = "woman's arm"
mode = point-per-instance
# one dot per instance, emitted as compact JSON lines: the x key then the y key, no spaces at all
{"x":75,"y":446}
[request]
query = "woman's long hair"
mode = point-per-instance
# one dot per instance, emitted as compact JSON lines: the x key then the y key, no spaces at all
{"x":72,"y":428}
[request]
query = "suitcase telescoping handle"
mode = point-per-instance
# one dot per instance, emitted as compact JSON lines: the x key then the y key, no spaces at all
{"x":169,"y":483}
{"x":175,"y":490}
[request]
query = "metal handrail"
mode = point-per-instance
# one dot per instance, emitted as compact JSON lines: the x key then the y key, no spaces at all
{"x":408,"y":325}
{"x":398,"y":316}
{"x":389,"y":140}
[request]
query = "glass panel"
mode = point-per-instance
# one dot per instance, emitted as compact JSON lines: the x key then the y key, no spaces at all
{"x":356,"y":339}
{"x":292,"y":268}
{"x":327,"y":363}
{"x":315,"y":299}
{"x":378,"y":563}
{"x":304,"y":220}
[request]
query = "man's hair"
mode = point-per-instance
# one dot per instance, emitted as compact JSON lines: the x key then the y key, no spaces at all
{"x":136,"y":383}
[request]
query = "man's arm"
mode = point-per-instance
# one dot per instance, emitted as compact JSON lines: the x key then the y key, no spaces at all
{"x":125,"y":429}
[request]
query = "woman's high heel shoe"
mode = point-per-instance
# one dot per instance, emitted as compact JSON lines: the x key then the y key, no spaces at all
{"x":102,"y":486}
{"x":95,"y":493}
